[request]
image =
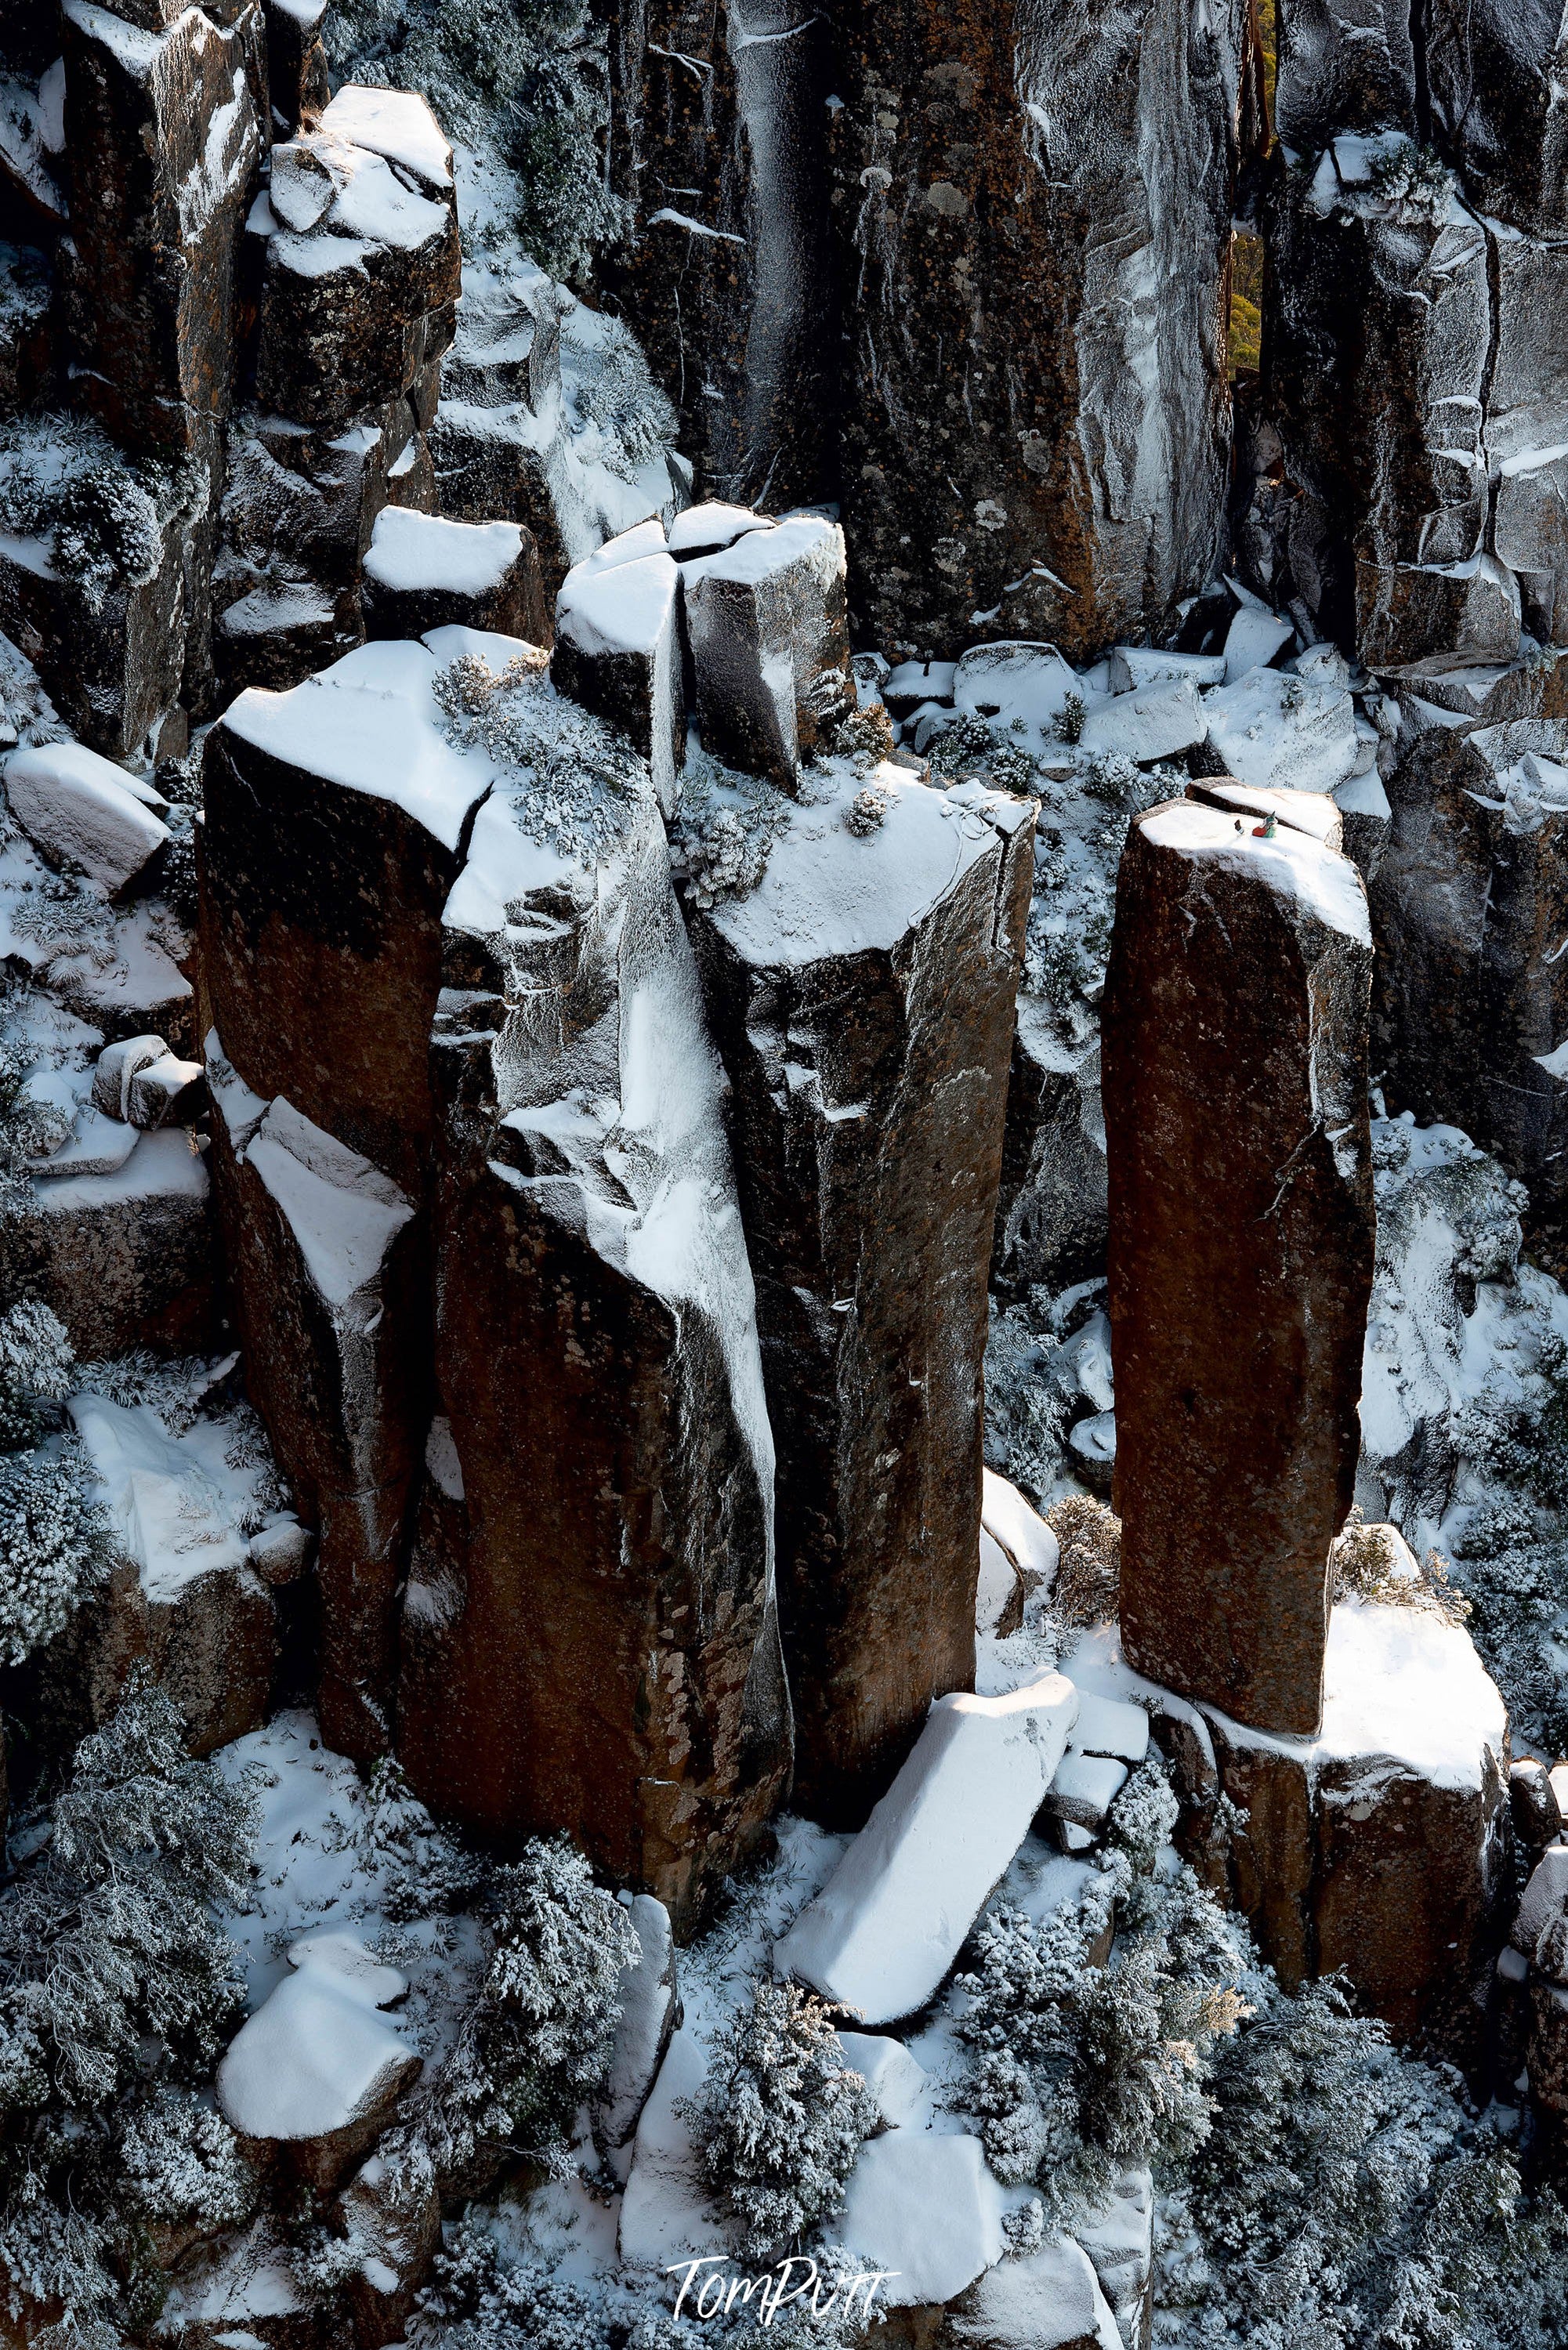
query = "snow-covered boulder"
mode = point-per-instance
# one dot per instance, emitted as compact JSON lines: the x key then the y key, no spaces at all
{"x":1135,"y":666}
{"x":1118,"y":2237}
{"x":316,"y":2073}
{"x":1155,"y":723}
{"x":618,"y":642}
{"x":83,"y":811}
{"x":1047,"y":2300}
{"x":667,"y":2213}
{"x":1540,"y":1929}
{"x":1255,"y":637}
{"x":421,"y":573}
{"x":1285,"y":733}
{"x":887,"y":1926}
{"x":127,"y":1255}
{"x":924,"y":2207}
{"x":650,"y":2012}
{"x":770,"y":645}
{"x":889,"y":2070}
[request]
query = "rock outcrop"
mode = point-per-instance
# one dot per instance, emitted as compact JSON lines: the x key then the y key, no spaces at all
{"x":1241,"y":1239}
{"x":862,"y":998}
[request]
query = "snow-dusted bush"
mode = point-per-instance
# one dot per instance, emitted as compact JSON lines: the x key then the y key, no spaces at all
{"x":568,"y":773}
{"x":418,"y":1867}
{"x":536,"y":2040}
{"x":116,"y":1988}
{"x":101,"y":514}
{"x":28,"y":1129}
{"x":1414,"y":178}
{"x":1367,"y":1565}
{"x":56,"y":1545}
{"x":1088,"y":1580}
{"x":612,"y":387}
{"x":36,"y":1366}
{"x":724,"y":829}
{"x":529,"y":84}
{"x":782,"y":2116}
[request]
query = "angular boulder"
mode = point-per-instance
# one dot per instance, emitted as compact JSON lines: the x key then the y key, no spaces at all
{"x":770,"y":645}
{"x":924,"y":2210}
{"x":1047,"y":2299}
{"x":83,"y":811}
{"x":423,"y":573}
{"x":1240,"y":1245}
{"x":862,"y":998}
{"x":128,"y":1257}
{"x":618,"y":646}
{"x":1380,"y":1846}
{"x":882,"y":1934}
{"x":649,"y":2015}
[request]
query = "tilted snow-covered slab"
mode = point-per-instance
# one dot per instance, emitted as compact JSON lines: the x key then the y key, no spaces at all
{"x":885,"y":1930}
{"x":617,"y":651}
{"x":891,"y":2073}
{"x":667,"y":2213}
{"x":649,"y":2009}
{"x":1017,"y":1528}
{"x":394,"y":123}
{"x":1048,"y":2299}
{"x":411,"y":550}
{"x":1134,"y":666}
{"x":709,"y":528}
{"x":1155,"y":723}
{"x":1285,"y":732}
{"x":1252,"y":642}
{"x":81,"y":808}
{"x":923,"y":2207}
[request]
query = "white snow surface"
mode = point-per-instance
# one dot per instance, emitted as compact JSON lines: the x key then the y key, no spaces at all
{"x":410,"y":551}
{"x":706,"y":528}
{"x":1017,"y":1527}
{"x":317,"y":2054}
{"x":370,"y":723}
{"x":179,"y":1506}
{"x":1286,"y":731}
{"x":1048,"y":2299}
{"x":624,"y":607}
{"x":78,"y":806}
{"x":891,"y":2073}
{"x":1301,"y":868}
{"x":394,"y":123}
{"x":829,"y":893}
{"x":1155,"y":723}
{"x":926,"y":2208}
{"x":344,"y":1213}
{"x":882,"y":1935}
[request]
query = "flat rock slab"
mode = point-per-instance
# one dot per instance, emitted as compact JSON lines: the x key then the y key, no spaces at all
{"x":1048,"y":2299}
{"x":862,"y":998}
{"x":887,"y":1926}
{"x":1240,"y":1247}
{"x":83,"y":811}
{"x":924,"y":2208}
{"x":422,"y":572}
{"x":129,"y":1257}
{"x":1380,"y":1846}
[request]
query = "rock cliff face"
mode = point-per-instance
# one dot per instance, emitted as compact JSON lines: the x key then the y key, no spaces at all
{"x":1018,"y":222}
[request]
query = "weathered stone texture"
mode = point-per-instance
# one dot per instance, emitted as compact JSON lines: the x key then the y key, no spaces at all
{"x":1470,"y":905}
{"x":164,"y":133}
{"x":1032,"y":210}
{"x":862,"y":1000}
{"x":296,"y":63}
{"x":1240,"y":1247}
{"x":126,"y":1260}
{"x":607,"y":1653}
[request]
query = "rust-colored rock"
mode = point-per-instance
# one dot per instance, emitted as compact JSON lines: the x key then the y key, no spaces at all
{"x":1240,"y":1244}
{"x":862,"y":998}
{"x":164,"y":133}
{"x":1380,"y":1847}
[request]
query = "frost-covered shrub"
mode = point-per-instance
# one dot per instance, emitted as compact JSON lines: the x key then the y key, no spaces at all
{"x":28,"y":1129}
{"x":56,"y":1545}
{"x":1367,"y":1565}
{"x":568,"y":773}
{"x":611,"y":388}
{"x":116,"y":1988}
{"x":529,"y":84}
{"x":1413,"y":178}
{"x":724,"y":829}
{"x":1070,"y":718}
{"x":866,"y":812}
{"x":36,"y":1366}
{"x":418,"y":1867}
{"x":536,"y":2040}
{"x":782,"y":2116}
{"x":1087,"y":1589}
{"x":102,"y":515}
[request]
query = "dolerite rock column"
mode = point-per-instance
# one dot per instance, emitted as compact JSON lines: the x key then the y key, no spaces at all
{"x":1240,"y":1243}
{"x":164,"y":131}
{"x":333,"y":836}
{"x":356,"y":258}
{"x":1469,"y":906}
{"x":862,"y":998}
{"x":590,"y":1636}
{"x":1033,"y":208}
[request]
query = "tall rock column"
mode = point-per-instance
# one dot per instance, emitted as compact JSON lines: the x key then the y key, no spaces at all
{"x":1033,"y":206}
{"x":1240,"y":1241}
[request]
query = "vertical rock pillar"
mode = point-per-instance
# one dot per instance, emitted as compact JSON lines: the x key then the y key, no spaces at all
{"x":1241,"y":1239}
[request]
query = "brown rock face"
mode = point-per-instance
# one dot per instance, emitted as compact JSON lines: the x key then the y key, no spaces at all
{"x":1240,"y":1247}
{"x":862,"y":1000}
{"x":296,"y":61}
{"x":770,"y":646}
{"x":127,"y":1260}
{"x":1380,"y":1847}
{"x":1469,"y":909}
{"x":590,"y":1627}
{"x":164,"y":132}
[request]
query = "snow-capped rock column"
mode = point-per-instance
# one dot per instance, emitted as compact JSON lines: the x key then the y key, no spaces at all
{"x":335,"y":819}
{"x":590,"y":1633}
{"x":1037,"y":413}
{"x":164,"y":131}
{"x":1240,"y":1245}
{"x":1470,"y":909}
{"x":862,"y":998}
